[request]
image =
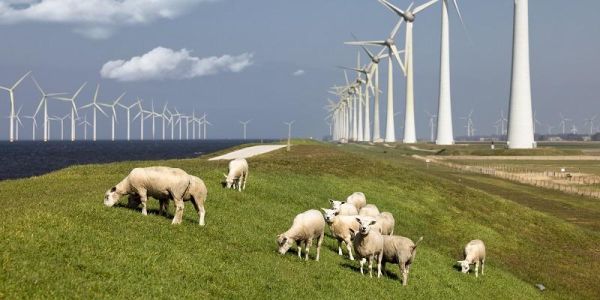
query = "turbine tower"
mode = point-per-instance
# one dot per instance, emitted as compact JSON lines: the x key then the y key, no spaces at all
{"x":33,"y":126}
{"x":520,"y":119}
{"x":11,"y":93}
{"x":410,"y":134}
{"x":113,"y":107}
{"x":244,"y":124}
{"x":74,"y":114}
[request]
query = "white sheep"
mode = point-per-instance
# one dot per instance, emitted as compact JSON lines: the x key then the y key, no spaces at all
{"x":357,"y":199}
{"x":385,"y":223}
{"x":368,"y":244}
{"x":306,"y":227}
{"x":237,"y":174}
{"x":369,"y":210}
{"x":399,"y":250}
{"x":340,"y":228}
{"x":161,"y":183}
{"x":345,"y":209}
{"x":474,"y":254}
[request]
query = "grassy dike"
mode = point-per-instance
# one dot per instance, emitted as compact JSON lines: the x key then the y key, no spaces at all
{"x":59,"y":241}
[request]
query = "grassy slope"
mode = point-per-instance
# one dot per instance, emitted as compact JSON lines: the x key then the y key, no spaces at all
{"x":59,"y":240}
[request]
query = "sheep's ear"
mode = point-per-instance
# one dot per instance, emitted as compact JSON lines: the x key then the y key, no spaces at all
{"x":343,"y":202}
{"x":113,"y":189}
{"x":373,"y":222}
{"x":336,"y":213}
{"x":324,"y":209}
{"x":225,"y":175}
{"x":331,"y":201}
{"x":459,"y":262}
{"x":358,"y":220}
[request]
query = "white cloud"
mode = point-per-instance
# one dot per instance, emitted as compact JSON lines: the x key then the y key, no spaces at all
{"x":299,"y":73}
{"x":96,"y":18}
{"x":164,"y":63}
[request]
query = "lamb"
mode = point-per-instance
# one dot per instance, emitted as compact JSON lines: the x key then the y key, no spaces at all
{"x":474,"y":254}
{"x":345,"y":209}
{"x":385,"y":223}
{"x":197,"y":187}
{"x":237,"y":175}
{"x":357,"y":199}
{"x":161,"y":183}
{"x":399,"y":250}
{"x":369,"y":210}
{"x":306,"y":227}
{"x":368,"y":244}
{"x":340,"y":228}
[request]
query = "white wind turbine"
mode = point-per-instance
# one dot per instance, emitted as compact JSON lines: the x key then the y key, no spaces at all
{"x":128,"y":110}
{"x":85,"y":124}
{"x":44,"y":102}
{"x":62,"y":125}
{"x":142,"y":118}
{"x":535,"y":122}
{"x":410,"y":134}
{"x":590,"y":121}
{"x":204,"y":123}
{"x":520,"y":127}
{"x":431,"y":125}
{"x":11,"y":93}
{"x":289,"y":141}
{"x":563,"y":123}
{"x":33,"y":126}
{"x":244,"y":125}
{"x":94,"y":105}
{"x":18,"y":122}
{"x":74,"y":113}
{"x":164,"y":118}
{"x":390,"y":44}
{"x":153,"y":115}
{"x":113,"y":107}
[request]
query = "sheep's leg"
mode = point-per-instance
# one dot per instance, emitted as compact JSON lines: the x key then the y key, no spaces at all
{"x":349,"y":247}
{"x":178,"y":211}
{"x":143,"y":200}
{"x":308,"y":244}
{"x":319,"y":243}
{"x":379,"y":259}
{"x":240,"y":181}
{"x":404,"y":273}
{"x":245,"y":179}
{"x":198,"y":203}
{"x":371,"y":258}
{"x":362,"y":262}
{"x":476,"y":269}
{"x":340,"y":247}
{"x":299,"y":247}
{"x":482,"y":265}
{"x":163,"y":207}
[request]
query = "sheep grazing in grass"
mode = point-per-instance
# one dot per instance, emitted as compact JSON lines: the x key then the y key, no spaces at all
{"x":162,"y":183}
{"x":368,"y":244}
{"x":357,"y":199}
{"x":474,"y":254}
{"x":385,"y":223}
{"x":306,"y":227}
{"x":369,"y":210}
{"x":399,"y":250}
{"x":345,"y":209}
{"x":238,"y":174}
{"x":340,"y":228}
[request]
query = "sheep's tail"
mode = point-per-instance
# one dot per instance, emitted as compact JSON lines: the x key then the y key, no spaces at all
{"x":416,"y":244}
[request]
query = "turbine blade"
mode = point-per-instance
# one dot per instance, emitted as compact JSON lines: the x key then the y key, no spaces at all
{"x":392,"y":7}
{"x":39,"y":107}
{"x":397,"y":56}
{"x":422,"y":7}
{"x":366,"y":43}
{"x":37,"y":85}
{"x":21,"y":79}
{"x":346,"y":77}
{"x":396,"y":29}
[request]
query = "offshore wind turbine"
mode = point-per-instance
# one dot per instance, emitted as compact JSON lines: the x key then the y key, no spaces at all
{"x":244,"y":124}
{"x":18,"y":122}
{"x":62,"y":125}
{"x":113,"y":107}
{"x":128,"y":110}
{"x":410,"y":134}
{"x":390,"y":44}
{"x":74,"y":114}
{"x":33,"y":126}
{"x":142,"y":117}
{"x":94,"y":105}
{"x":163,"y":115}
{"x":85,"y":124}
{"x":11,"y":93}
{"x":520,"y":127}
{"x":44,"y":102}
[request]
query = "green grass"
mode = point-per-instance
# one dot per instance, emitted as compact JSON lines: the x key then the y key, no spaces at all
{"x":59,"y":241}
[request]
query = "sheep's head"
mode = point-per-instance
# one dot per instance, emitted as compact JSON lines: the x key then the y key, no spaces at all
{"x":335,"y":204}
{"x":284,"y":243}
{"x":111,"y":197}
{"x":229,"y":181}
{"x":329,"y":214}
{"x":464,"y":265}
{"x":365,"y":224}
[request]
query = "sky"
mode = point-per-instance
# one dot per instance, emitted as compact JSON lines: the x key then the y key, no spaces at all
{"x":273,"y":61}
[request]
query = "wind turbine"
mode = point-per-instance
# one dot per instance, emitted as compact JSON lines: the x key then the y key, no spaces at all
{"x":535,"y":122}
{"x":563,"y":123}
{"x":469,"y":122}
{"x":163,"y":115}
{"x":94,"y":105}
{"x":11,"y":93}
{"x":520,"y":127}
{"x":289,"y":142}
{"x":62,"y":125}
{"x":85,"y":124}
{"x":18,"y":122}
{"x":74,"y":114}
{"x":431,"y":125}
{"x":154,"y":114}
{"x":244,"y":124}
{"x":390,"y":44}
{"x":410,"y":134}
{"x":591,"y":121}
{"x":142,"y":117}
{"x":44,"y":102}
{"x":33,"y":126}
{"x":113,"y":107}
{"x":128,"y":109}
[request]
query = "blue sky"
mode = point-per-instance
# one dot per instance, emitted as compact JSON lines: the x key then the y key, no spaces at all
{"x":258,"y":45}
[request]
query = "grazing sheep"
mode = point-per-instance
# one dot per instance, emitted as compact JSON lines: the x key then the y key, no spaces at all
{"x":474,"y":254}
{"x":399,"y":250}
{"x":196,"y":194}
{"x":307,"y":226}
{"x":385,"y":223}
{"x":238,"y":174}
{"x":161,"y":183}
{"x":345,"y":209}
{"x":357,"y":199}
{"x":369,"y":210}
{"x":368,"y":244}
{"x":340,"y":228}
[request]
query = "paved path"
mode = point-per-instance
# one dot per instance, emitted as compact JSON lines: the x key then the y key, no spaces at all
{"x":248,"y":152}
